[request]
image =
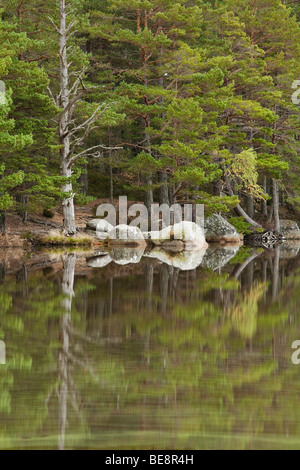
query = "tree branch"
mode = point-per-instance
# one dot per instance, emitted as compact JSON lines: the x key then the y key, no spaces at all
{"x":89,"y":152}
{"x":55,"y":26}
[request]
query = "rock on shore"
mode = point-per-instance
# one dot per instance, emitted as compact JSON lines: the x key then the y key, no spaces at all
{"x":184,"y":235}
{"x":219,"y":230}
{"x":289,"y":230}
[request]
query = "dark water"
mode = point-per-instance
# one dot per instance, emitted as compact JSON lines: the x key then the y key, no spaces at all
{"x":145,"y":354}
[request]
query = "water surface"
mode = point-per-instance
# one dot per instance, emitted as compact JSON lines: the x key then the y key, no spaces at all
{"x":150,"y":351}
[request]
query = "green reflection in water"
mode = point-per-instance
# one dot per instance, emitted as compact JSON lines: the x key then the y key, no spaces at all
{"x":149,"y":356}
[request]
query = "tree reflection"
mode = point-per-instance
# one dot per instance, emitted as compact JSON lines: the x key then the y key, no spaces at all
{"x":69,"y":261}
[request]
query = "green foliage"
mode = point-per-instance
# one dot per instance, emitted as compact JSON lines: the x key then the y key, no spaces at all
{"x":8,"y":183}
{"x":244,"y":169}
{"x":26,"y":136}
{"x":198,"y":92}
{"x":240,"y":224}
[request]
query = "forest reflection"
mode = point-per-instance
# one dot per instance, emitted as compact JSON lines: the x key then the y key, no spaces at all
{"x":150,"y":356}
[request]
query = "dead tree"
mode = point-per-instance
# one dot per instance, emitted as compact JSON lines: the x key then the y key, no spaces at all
{"x":72,"y":134}
{"x":276,"y":206}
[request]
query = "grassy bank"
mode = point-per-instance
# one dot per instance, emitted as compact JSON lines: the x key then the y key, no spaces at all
{"x":56,"y":238}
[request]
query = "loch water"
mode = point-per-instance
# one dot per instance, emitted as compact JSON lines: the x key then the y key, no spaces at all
{"x":130,"y":350}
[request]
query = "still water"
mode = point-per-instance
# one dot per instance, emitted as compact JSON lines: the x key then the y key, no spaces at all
{"x":124,"y":351}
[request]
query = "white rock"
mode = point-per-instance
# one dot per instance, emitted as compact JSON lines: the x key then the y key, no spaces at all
{"x":103,"y":228}
{"x":100,"y":225}
{"x":126,"y":233}
{"x":188,"y":232}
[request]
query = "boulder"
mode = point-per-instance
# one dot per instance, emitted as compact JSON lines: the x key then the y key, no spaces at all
{"x":92,"y":224}
{"x":289,"y":230}
{"x":124,"y":234}
{"x":189,"y":233}
{"x":102,"y":229}
{"x":218,"y":230}
{"x":99,"y":224}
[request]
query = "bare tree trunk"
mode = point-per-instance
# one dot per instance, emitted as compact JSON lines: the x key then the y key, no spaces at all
{"x":276,"y":206}
{"x":68,"y":204}
{"x":64,"y":135}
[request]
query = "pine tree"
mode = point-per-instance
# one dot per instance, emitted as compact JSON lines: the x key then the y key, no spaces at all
{"x":31,"y":109}
{"x":153,"y":53}
{"x":11,"y":142}
{"x":243,"y":42}
{"x":272,"y":128}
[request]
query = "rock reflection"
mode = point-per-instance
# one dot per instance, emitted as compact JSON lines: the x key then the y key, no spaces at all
{"x":99,"y":261}
{"x":183,"y":260}
{"x":289,"y":249}
{"x":214,"y":258}
{"x":125,"y":256}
